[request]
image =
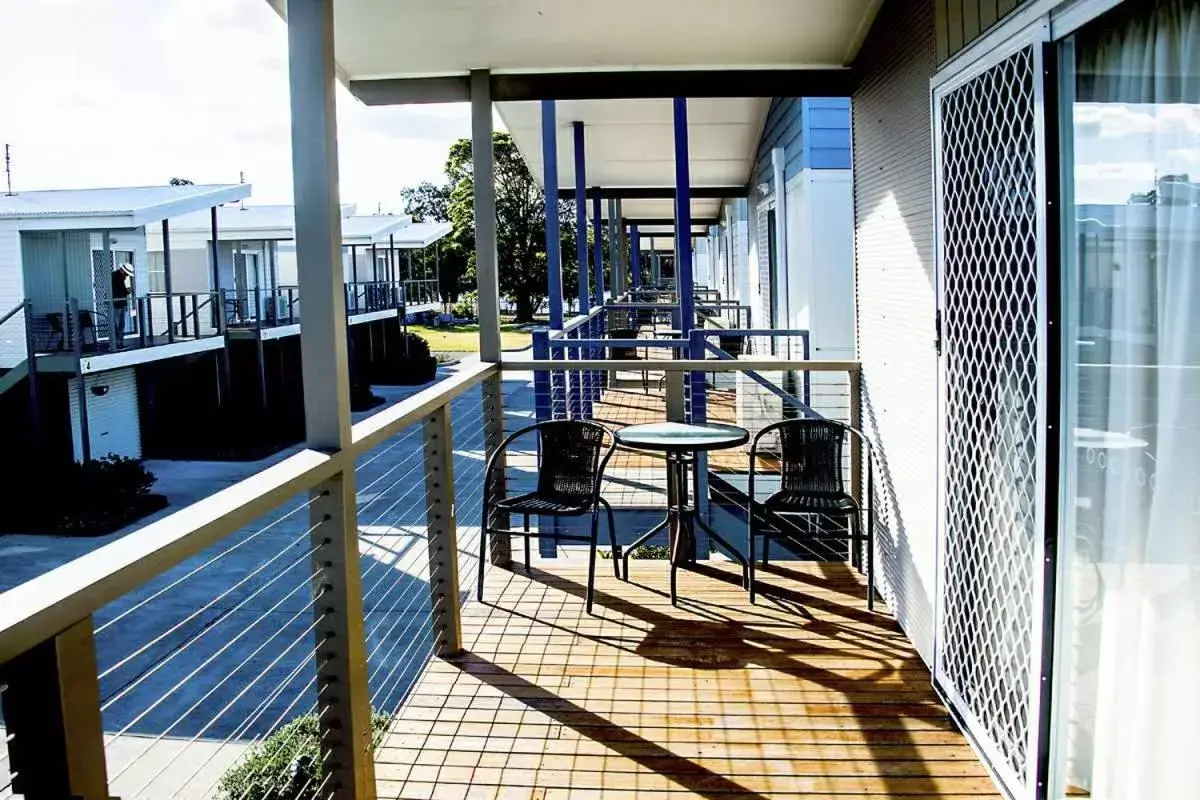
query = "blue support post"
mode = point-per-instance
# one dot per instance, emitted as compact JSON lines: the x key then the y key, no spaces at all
{"x":554,"y":294}
{"x":683,"y":220}
{"x":600,"y":377}
{"x":635,"y":254}
{"x":542,"y":401}
{"x":597,"y":248}
{"x":553,"y":237}
{"x":581,"y":221}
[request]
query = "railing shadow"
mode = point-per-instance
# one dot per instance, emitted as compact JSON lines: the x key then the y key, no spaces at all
{"x":651,"y":755}
{"x":724,"y":641}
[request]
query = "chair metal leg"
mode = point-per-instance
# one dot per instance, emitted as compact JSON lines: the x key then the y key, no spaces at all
{"x":750,"y":551}
{"x":870,"y":537}
{"x":856,"y":560}
{"x":483,"y":545}
{"x":527,"y":543}
{"x":612,"y":538}
{"x":591,"y":581}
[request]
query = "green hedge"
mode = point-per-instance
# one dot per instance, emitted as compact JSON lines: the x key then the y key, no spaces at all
{"x":286,"y":765}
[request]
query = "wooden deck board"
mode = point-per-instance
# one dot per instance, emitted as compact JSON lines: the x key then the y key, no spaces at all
{"x":805,"y":694}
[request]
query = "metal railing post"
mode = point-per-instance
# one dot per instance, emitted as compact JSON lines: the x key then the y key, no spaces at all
{"x":571,"y":379}
{"x":543,"y":402}
{"x":31,"y":374}
{"x":75,"y":325}
{"x":699,"y":414}
{"x":442,"y":533}
{"x":493,"y":435}
{"x":52,"y":715}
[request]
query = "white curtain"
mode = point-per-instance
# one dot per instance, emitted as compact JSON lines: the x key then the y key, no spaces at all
{"x":1133,"y":692}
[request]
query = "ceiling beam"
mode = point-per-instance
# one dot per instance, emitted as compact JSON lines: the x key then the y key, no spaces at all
{"x":613,"y":85}
{"x":651,"y":222}
{"x":658,"y":192}
{"x":413,"y":91}
{"x":639,"y":84}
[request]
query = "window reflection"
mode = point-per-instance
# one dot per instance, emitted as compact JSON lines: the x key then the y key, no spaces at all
{"x":1128,"y":697}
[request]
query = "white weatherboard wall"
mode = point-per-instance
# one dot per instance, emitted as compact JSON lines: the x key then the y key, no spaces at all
{"x":895,"y":296}
{"x":820,"y":276}
{"x":113,"y":424}
{"x":12,"y":292}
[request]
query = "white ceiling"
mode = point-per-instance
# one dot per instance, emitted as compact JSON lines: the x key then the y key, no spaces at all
{"x":406,"y":38}
{"x":631,"y":143}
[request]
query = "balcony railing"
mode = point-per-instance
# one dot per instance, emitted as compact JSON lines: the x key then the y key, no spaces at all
{"x":372,"y":296}
{"x":171,"y":652}
{"x":110,"y":326}
{"x":421,"y":291}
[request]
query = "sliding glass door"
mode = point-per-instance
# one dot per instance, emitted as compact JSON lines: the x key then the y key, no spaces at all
{"x":1127,"y":693}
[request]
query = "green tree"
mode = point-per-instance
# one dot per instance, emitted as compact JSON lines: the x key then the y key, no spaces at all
{"x":428,"y":202}
{"x":520,"y":225}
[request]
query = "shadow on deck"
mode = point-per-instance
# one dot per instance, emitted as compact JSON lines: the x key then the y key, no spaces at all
{"x":806,"y":694}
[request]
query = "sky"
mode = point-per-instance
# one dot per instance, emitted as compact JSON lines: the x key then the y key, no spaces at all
{"x":98,"y":93}
{"x":1123,"y":148}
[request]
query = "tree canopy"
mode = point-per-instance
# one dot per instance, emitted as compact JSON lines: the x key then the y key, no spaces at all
{"x":520,"y":225}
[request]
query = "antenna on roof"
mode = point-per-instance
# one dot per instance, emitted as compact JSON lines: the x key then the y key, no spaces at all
{"x":379,"y":207}
{"x":8,"y":168}
{"x":241,"y":179}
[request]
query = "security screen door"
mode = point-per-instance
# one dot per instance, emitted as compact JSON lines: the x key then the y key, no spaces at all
{"x":991,"y":285}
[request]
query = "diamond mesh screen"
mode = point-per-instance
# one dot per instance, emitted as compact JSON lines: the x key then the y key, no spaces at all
{"x":988,"y":147}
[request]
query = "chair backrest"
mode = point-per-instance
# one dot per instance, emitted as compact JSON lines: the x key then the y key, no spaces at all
{"x":810,"y":452}
{"x":733,"y":345}
{"x":571,"y":451}
{"x":623,"y":353}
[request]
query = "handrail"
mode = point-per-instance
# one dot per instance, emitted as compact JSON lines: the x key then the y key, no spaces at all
{"x":378,"y":427}
{"x":39,"y":608}
{"x":753,"y":375}
{"x":684,"y":365}
{"x":16,"y":310}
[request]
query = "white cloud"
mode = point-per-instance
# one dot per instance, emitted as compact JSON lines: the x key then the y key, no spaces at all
{"x":125,"y":92}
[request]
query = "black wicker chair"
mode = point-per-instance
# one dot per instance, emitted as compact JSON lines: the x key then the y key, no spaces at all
{"x":573,"y":454}
{"x":811,"y":483}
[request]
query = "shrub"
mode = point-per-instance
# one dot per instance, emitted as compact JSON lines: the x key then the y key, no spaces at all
{"x":655,"y":552}
{"x":465,"y":307}
{"x":414,"y":345}
{"x":286,"y":765}
{"x":659,"y":552}
{"x":102,"y":494}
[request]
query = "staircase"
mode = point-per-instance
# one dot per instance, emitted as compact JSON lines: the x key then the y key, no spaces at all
{"x":14,"y":376}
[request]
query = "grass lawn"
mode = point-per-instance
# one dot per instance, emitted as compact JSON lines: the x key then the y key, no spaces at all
{"x":465,"y":338}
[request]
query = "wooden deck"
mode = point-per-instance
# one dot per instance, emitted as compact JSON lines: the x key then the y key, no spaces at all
{"x":804,"y":695}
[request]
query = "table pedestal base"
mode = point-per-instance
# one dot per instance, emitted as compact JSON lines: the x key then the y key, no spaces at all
{"x":681,"y":521}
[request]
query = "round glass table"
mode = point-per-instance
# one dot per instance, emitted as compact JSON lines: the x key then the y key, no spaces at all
{"x":680,"y":442}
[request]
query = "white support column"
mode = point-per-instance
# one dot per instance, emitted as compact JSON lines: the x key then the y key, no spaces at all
{"x":345,"y":715}
{"x":482,"y":160}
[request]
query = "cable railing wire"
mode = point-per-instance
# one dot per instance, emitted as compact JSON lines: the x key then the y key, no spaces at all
{"x":205,"y":565}
{"x":143,"y":677}
{"x":175,"y":628}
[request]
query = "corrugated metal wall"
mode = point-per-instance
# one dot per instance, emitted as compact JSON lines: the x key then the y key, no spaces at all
{"x":12,"y":291}
{"x":43,"y":270}
{"x":957,"y":23}
{"x":895,"y":298}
